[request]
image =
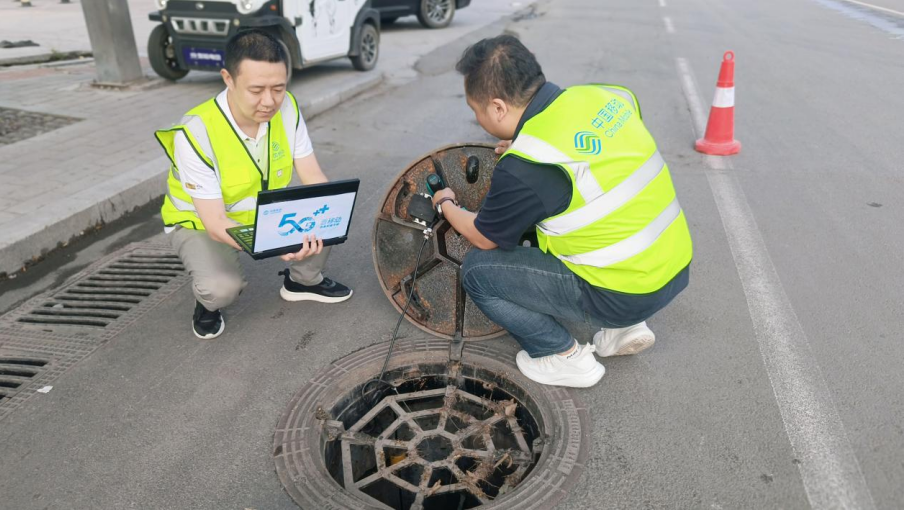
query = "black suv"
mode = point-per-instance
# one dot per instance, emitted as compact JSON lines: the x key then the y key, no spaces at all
{"x":431,"y":13}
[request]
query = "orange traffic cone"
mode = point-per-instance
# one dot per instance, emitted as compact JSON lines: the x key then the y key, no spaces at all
{"x":719,"y":133}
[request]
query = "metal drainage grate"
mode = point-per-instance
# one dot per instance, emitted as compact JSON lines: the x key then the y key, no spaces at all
{"x":16,"y":372}
{"x":108,"y":293}
{"x":444,"y":435}
{"x":444,"y":448}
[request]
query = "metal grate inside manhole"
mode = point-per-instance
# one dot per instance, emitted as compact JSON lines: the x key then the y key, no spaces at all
{"x":107,"y":293}
{"x":435,"y":445}
{"x":442,"y":435}
{"x":17,"y":372}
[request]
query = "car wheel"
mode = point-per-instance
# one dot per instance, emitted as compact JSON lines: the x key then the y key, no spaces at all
{"x":436,"y":13}
{"x":368,"y":48}
{"x":162,"y":55}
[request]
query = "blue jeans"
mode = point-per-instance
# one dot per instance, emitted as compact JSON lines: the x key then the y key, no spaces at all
{"x":524,"y":290}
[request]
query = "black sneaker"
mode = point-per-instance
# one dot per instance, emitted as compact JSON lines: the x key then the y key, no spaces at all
{"x":207,"y":324}
{"x":327,"y":291}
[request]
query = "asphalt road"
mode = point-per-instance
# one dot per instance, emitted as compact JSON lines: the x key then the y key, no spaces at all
{"x":777,"y":379}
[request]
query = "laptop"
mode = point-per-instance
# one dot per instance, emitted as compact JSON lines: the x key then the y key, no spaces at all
{"x":283,"y":217}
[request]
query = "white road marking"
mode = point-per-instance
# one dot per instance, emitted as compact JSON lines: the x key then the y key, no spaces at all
{"x":870,"y":17}
{"x":876,"y":7}
{"x":831,"y":475}
{"x":669,"y":25}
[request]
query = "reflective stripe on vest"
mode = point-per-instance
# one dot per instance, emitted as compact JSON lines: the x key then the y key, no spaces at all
{"x":180,"y":204}
{"x":623,"y":229}
{"x":629,"y":247}
{"x":543,"y":152}
{"x":606,"y":203}
{"x":247,"y":204}
{"x":215,"y":141}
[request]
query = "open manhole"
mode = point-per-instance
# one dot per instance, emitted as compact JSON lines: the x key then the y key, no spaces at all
{"x":444,"y":435}
{"x":108,"y":292}
{"x":440,"y":306}
{"x":457,"y":426}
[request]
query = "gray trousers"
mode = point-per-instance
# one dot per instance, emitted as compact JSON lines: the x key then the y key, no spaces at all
{"x":217,"y":277}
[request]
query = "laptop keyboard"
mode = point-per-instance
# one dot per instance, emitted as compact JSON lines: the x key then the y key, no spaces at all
{"x":246,"y":235}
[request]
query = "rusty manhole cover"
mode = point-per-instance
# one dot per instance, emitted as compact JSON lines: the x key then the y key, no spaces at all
{"x":440,"y":306}
{"x":443,"y":435}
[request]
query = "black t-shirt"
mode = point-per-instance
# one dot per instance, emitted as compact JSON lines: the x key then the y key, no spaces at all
{"x":523,"y":194}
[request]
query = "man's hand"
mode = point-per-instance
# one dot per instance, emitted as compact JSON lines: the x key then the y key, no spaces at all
{"x":311,"y":245}
{"x":440,"y":194}
{"x":461,"y":220}
{"x":213,"y":215}
{"x":502,"y":146}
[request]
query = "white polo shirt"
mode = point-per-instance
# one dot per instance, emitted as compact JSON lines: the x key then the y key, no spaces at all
{"x":200,"y":182}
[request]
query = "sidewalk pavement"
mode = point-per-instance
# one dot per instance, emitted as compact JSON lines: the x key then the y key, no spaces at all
{"x":106,"y":162}
{"x":60,"y":28}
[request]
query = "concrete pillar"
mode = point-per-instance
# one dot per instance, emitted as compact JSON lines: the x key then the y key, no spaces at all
{"x":112,"y":40}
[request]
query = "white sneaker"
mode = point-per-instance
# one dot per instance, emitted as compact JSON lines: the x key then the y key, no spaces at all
{"x":623,"y":341}
{"x":581,"y":370}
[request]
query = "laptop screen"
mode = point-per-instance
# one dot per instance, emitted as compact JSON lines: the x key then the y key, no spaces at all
{"x":282,"y":224}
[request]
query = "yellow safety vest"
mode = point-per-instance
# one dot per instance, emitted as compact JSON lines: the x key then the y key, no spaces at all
{"x":225,"y":153}
{"x":623,"y":229}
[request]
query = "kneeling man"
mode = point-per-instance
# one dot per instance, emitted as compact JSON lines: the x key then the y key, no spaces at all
{"x":580,"y":166}
{"x":247,"y":139}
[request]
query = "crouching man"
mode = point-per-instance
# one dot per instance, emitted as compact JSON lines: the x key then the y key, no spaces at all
{"x":580,"y":166}
{"x":247,"y":139}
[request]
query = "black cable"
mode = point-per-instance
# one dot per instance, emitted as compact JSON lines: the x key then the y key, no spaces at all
{"x":390,"y":351}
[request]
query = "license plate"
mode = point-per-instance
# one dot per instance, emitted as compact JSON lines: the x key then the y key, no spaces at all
{"x":203,"y":57}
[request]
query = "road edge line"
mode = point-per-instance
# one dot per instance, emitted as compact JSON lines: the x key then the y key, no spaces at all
{"x":829,"y":470}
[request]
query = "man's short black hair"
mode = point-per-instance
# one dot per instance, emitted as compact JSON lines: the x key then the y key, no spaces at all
{"x":500,"y":67}
{"x":253,"y":44}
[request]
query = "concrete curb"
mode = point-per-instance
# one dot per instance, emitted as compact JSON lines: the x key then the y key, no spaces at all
{"x":24,"y":55}
{"x":443,"y":59}
{"x":37,"y":58}
{"x":35,"y":55}
{"x":313,"y":107}
{"x":108,"y":201}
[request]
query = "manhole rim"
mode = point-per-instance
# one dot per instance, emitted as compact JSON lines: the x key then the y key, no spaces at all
{"x":374,"y":238}
{"x":298,"y":435}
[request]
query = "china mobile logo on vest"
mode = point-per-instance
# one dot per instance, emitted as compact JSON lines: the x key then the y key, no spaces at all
{"x":587,"y":142}
{"x":276,"y":151}
{"x":308,"y":223}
